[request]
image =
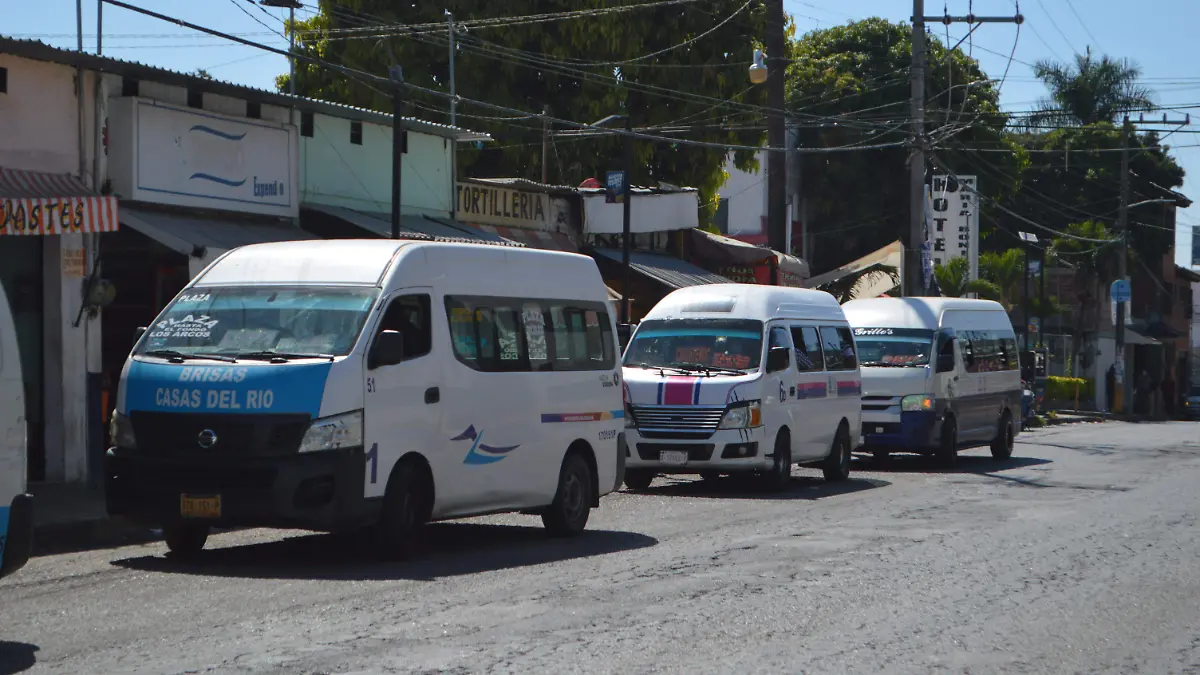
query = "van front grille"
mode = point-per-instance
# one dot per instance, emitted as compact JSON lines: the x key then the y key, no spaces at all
{"x":689,"y":419}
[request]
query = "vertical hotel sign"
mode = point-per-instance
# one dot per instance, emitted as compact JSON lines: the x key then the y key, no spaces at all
{"x":954,"y":221}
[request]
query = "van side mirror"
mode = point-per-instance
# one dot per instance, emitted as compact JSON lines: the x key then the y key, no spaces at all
{"x":778,"y":358}
{"x":945,"y":363}
{"x":388,"y":350}
{"x":138,"y":333}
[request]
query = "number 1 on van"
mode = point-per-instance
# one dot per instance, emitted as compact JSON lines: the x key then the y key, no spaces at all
{"x":373,"y":460}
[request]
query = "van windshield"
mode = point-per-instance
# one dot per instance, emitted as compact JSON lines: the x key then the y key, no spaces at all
{"x":893,"y":347}
{"x":697,"y":344}
{"x":248,"y":321}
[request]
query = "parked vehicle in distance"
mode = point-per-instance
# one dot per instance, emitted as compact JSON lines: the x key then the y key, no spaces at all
{"x":16,"y":507}
{"x":332,"y":385}
{"x":1191,"y":404}
{"x":939,"y":375}
{"x":738,"y":378}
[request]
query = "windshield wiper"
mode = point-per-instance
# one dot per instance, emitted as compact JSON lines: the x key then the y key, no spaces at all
{"x":179,"y":356}
{"x":714,"y":369}
{"x":660,"y":369}
{"x":280,"y":357}
{"x":884,"y":364}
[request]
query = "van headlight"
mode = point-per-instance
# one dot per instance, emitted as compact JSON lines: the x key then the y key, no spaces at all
{"x":334,"y":432}
{"x":120,"y":432}
{"x":916,"y":403}
{"x":742,"y":415}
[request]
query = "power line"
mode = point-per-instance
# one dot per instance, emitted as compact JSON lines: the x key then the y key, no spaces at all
{"x":1071,"y":5}
{"x":1055,"y":25}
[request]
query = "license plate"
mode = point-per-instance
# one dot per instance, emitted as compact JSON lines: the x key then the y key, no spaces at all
{"x":673,"y":457}
{"x":207,"y":506}
{"x":879,"y":430}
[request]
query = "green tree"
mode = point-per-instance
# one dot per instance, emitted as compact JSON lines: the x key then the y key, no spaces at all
{"x":1089,"y":249}
{"x":581,"y":69}
{"x":1005,"y":271}
{"x":858,"y":73}
{"x":1089,"y":91}
{"x":954,"y":280}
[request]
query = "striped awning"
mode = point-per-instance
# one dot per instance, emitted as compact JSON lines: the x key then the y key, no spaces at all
{"x":547,"y":241}
{"x":33,"y":203}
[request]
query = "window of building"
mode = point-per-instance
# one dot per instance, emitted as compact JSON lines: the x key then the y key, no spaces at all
{"x":3,"y":80}
{"x":195,"y":98}
{"x":356,"y":133}
{"x":129,"y":86}
{"x":306,"y":124}
{"x":254,"y":110}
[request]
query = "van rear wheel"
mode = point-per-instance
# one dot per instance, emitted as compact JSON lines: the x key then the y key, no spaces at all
{"x":1002,"y":445}
{"x":185,"y":540}
{"x":568,"y":513}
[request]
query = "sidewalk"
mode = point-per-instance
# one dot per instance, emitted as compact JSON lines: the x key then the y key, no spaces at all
{"x":71,"y":517}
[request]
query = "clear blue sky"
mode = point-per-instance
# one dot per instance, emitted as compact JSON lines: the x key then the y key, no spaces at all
{"x":1160,"y":39}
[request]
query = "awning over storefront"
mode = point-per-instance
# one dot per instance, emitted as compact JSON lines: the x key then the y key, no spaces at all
{"x":33,"y":203}
{"x":196,"y":236}
{"x":411,"y":226}
{"x":1133,"y":337}
{"x":746,"y":263}
{"x":664,"y":269}
{"x":547,"y":241}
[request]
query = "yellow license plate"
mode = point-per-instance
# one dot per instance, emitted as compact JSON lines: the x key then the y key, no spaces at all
{"x":207,"y":506}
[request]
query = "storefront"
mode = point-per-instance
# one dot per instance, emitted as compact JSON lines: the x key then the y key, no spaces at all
{"x":193,"y":184}
{"x":745,"y":263}
{"x":529,"y":213}
{"x":48,"y":227}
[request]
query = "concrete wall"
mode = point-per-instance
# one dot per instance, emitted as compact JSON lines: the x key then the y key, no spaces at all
{"x":747,"y":195}
{"x":335,"y":172}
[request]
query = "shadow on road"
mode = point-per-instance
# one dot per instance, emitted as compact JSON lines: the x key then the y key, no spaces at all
{"x":449,"y":549}
{"x":966,"y":464}
{"x":745,"y":487}
{"x":16,"y":657}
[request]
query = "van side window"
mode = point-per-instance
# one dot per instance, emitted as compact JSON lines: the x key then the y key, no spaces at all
{"x":808,"y":349}
{"x":409,"y":316}
{"x":968,"y":351}
{"x":534,"y":322}
{"x":1012,"y":358}
{"x":779,"y":338}
{"x":529,"y":334}
{"x":509,"y":339}
{"x":838,"y":347}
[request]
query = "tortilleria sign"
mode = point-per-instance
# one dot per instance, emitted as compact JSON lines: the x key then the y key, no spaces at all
{"x":498,"y":205}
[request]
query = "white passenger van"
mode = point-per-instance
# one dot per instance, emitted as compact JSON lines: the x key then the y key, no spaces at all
{"x":737,"y":378}
{"x":329,"y":385}
{"x":16,"y":507}
{"x":939,"y":375}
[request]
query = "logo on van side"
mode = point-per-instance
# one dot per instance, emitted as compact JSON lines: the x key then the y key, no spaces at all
{"x":480,"y":453}
{"x":873,"y":331}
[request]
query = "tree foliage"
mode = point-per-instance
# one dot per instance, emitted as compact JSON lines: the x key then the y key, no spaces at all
{"x":572,"y":67}
{"x":1089,"y":91}
{"x":954,"y":280}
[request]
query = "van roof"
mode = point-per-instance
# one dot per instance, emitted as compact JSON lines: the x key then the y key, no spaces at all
{"x":911,"y":312}
{"x":349,"y":262}
{"x":747,"y":301}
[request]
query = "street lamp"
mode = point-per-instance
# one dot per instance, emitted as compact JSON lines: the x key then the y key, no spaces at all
{"x":627,"y":188}
{"x":1030,"y":240}
{"x":758,"y":69}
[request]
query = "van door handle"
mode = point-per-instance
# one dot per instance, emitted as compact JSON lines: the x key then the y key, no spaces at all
{"x":432,"y":395}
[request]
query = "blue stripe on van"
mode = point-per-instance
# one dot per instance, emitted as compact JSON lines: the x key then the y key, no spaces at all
{"x":230,"y":389}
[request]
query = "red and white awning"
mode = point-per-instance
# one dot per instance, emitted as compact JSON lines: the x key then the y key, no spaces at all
{"x":549,"y":241}
{"x":33,"y":203}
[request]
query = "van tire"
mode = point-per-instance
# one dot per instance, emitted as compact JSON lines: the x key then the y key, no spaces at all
{"x":568,"y":514}
{"x":780,"y":474}
{"x":185,"y":540}
{"x":836,"y":466}
{"x":1002,"y":445}
{"x":638,"y":479}
{"x":947,"y":451}
{"x":400,"y":522}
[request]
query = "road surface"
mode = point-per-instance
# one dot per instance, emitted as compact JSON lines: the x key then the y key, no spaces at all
{"x":1081,"y":555}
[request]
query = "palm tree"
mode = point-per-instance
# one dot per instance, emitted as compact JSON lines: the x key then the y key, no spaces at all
{"x":1005,"y":271}
{"x":845,"y":288}
{"x":952,"y":279}
{"x":1088,"y":91}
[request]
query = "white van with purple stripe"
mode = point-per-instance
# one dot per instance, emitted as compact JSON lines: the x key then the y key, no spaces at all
{"x":737,"y":378}
{"x":333,"y":385}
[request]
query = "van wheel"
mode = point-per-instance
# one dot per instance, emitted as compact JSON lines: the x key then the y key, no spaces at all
{"x":400,"y":522}
{"x":638,"y":479}
{"x":568,"y":513}
{"x":185,"y":540}
{"x":947,"y":452}
{"x":836,"y":466}
{"x":1002,"y":445}
{"x":781,"y":470}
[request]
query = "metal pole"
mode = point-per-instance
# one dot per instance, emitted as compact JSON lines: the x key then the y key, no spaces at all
{"x":79,"y":92}
{"x":1042,"y":300}
{"x":545,"y":142}
{"x":626,"y":243}
{"x":776,"y":131}
{"x":397,"y":146}
{"x":1123,"y":395}
{"x":1025,"y":292}
{"x":99,"y":27}
{"x":292,"y":50}
{"x":453,"y":103}
{"x":913,"y":265}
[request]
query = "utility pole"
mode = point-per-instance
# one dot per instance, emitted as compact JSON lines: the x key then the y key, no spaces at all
{"x":397,"y":74}
{"x":914,"y":282}
{"x":453,"y":102}
{"x":545,"y":142}
{"x":776,"y":47}
{"x":627,"y":205}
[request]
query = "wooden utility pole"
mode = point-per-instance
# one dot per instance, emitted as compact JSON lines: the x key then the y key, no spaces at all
{"x":776,"y":44}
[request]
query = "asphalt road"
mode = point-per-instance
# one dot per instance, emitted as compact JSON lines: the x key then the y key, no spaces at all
{"x":1080,"y":555}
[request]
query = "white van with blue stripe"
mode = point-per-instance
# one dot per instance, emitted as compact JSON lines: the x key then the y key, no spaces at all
{"x":336,"y":385}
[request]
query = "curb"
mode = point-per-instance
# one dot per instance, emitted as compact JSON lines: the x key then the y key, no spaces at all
{"x":83,"y":535}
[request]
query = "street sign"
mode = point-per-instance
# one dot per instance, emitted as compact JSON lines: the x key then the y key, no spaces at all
{"x":614,"y":189}
{"x":1120,"y":290}
{"x":1035,"y":324}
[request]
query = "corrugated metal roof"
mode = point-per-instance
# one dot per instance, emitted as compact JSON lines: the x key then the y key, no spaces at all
{"x":40,"y":51}
{"x":673,"y":272}
{"x":525,"y":183}
{"x":426,"y":228}
{"x":187,"y":233}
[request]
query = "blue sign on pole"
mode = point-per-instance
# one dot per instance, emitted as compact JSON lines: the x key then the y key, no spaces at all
{"x":614,"y":188}
{"x":1120,"y":290}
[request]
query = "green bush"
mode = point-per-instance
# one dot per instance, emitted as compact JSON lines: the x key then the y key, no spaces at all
{"x":1063,"y":389}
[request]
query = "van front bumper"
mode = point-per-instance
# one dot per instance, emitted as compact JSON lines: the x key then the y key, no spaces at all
{"x":726,"y":451}
{"x":915,"y":431}
{"x":316,"y":491}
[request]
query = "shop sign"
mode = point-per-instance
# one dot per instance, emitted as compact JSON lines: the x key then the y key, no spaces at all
{"x":184,"y":157}
{"x":760,"y":274}
{"x":74,"y":263}
{"x":498,"y":205}
{"x":954,"y":225}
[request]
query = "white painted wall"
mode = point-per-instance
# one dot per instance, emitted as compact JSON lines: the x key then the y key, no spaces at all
{"x":39,"y":117}
{"x":747,"y":195}
{"x":335,"y":172}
